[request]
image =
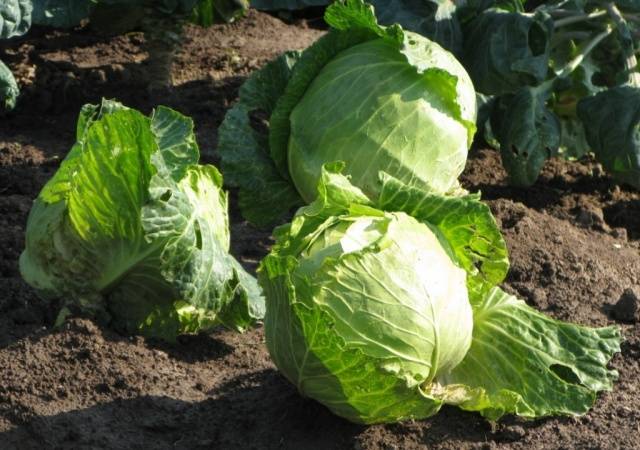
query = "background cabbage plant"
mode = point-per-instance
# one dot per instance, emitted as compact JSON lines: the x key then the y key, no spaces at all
{"x":378,"y":98}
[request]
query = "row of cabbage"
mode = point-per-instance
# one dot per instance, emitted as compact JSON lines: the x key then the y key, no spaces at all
{"x":381,"y":297}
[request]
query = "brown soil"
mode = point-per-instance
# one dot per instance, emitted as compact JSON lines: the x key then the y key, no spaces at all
{"x":573,"y":237}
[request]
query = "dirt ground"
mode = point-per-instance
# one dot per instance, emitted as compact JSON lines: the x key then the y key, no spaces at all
{"x":574,"y":240}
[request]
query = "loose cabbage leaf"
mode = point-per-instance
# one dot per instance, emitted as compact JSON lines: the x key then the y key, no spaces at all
{"x":523,"y":362}
{"x":8,"y":89}
{"x":611,"y":121}
{"x":131,"y":227}
{"x":505,"y":51}
{"x":15,"y":17}
{"x":528,"y":133}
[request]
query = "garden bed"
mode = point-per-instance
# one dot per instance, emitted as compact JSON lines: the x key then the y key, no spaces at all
{"x":574,"y":241}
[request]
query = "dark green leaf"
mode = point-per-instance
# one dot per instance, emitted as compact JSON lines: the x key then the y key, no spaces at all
{"x":434,"y":19}
{"x":612,"y":123}
{"x":504,"y":51}
{"x":265,"y":196}
{"x":528,"y":134}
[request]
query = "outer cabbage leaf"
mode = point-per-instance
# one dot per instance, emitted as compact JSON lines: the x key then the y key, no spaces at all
{"x":612,"y":124}
{"x":526,"y":363}
{"x":15,"y":17}
{"x":264,"y":195}
{"x":132,"y":228}
{"x":505,"y":51}
{"x":61,"y":13}
{"x":528,"y":133}
{"x":8,"y":89}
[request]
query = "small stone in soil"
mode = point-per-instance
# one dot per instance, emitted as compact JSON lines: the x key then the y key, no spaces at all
{"x":627,"y":309}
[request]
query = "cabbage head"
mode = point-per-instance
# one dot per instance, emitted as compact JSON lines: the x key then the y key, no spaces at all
{"x":384,"y":309}
{"x":377,"y":98}
{"x":132,"y":230}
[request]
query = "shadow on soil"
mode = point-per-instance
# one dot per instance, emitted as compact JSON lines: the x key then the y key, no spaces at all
{"x":257,"y":410}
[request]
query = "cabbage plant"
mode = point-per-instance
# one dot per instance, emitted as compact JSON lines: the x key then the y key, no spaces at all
{"x":378,"y":98}
{"x":132,"y":230}
{"x":386,"y":308}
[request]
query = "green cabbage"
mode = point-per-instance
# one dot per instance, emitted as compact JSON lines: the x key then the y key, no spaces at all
{"x":378,"y":98}
{"x":384,"y":309}
{"x":133,"y":230}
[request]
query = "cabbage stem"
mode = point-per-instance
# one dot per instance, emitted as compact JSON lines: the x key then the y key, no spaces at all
{"x":579,"y":18}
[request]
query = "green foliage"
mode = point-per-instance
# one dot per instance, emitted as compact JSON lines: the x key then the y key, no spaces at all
{"x":505,"y":51}
{"x":400,"y":84}
{"x":132,"y":229}
{"x":612,"y":126}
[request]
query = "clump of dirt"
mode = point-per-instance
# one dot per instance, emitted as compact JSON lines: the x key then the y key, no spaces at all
{"x":573,"y":242}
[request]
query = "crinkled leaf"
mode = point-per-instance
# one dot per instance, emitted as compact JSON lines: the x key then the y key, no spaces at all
{"x":612,"y":124}
{"x":8,"y":89}
{"x":528,"y":133}
{"x":505,"y":51}
{"x":526,"y":363}
{"x":15,"y":17}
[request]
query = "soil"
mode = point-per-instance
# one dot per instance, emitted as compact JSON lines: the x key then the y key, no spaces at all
{"x":574,"y":240}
